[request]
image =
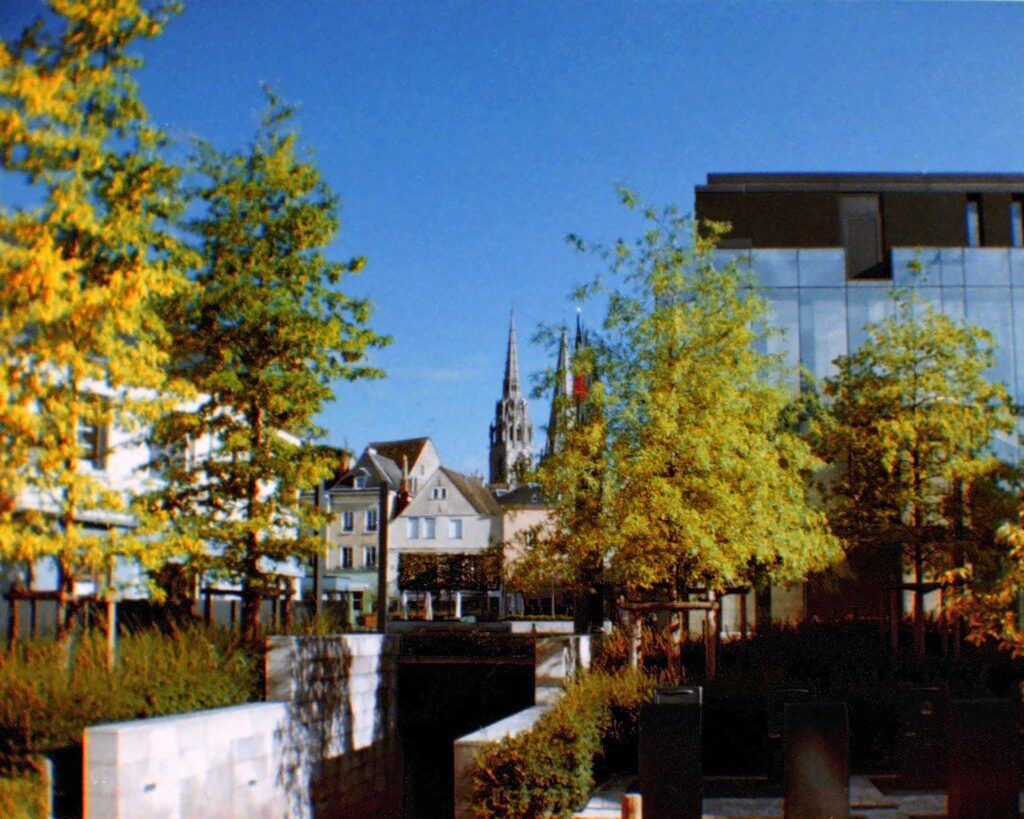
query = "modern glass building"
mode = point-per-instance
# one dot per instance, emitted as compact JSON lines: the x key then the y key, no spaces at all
{"x":828,"y":249}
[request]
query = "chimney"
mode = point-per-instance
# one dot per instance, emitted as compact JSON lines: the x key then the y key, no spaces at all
{"x":403,"y":487}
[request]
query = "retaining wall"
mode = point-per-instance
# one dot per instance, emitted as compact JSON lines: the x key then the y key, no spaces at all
{"x":325,"y":745}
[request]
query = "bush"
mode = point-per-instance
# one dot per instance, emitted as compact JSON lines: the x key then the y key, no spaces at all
{"x":49,"y":692}
{"x":550,"y":769}
{"x":25,"y":794}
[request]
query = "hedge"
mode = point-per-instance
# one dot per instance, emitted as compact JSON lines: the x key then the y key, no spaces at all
{"x":551,"y":769}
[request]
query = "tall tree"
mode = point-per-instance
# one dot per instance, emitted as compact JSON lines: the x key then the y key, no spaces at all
{"x":911,"y":420}
{"x":82,"y":267}
{"x":262,"y":336}
{"x":702,"y":482}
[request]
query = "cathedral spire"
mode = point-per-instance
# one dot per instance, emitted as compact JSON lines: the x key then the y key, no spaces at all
{"x":511,"y":383}
{"x":511,"y":432}
{"x":560,"y":397}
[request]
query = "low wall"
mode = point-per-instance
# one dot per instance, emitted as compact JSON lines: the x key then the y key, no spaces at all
{"x":325,"y":745}
{"x":217,"y":763}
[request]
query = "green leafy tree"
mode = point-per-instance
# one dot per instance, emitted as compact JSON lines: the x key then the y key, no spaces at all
{"x":684,"y":473}
{"x":910,"y":423}
{"x":82,"y":267}
{"x":262,"y":337}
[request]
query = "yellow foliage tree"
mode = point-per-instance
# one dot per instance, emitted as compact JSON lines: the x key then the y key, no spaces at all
{"x":83,"y":267}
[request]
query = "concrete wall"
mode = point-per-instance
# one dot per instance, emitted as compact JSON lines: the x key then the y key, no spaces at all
{"x":218,"y":763}
{"x":324,"y":745}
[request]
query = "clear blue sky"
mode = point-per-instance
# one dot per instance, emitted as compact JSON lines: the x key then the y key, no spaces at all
{"x":467,"y":139}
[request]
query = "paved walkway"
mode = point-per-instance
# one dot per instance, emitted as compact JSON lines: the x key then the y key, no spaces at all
{"x":866,"y":801}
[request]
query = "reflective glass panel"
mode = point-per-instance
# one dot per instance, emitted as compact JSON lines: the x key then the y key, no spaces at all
{"x":822,"y":329}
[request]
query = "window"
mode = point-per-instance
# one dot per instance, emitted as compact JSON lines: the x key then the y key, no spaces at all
{"x":412,"y":528}
{"x":455,"y":528}
{"x":346,"y":557}
{"x":428,"y":528}
{"x":439,"y":493}
{"x":371,"y":520}
{"x":359,"y":482}
{"x":348,"y":521}
{"x":370,"y":557}
{"x":861,"y":231}
{"x":92,"y":440}
{"x":413,"y":484}
{"x":972,"y":214}
{"x":1017,"y":223}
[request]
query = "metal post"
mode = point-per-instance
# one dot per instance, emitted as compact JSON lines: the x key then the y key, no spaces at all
{"x":318,"y":567}
{"x":383,"y":518}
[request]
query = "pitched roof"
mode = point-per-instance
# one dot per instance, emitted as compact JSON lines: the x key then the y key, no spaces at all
{"x":411,"y":448}
{"x":524,"y":495}
{"x":474,"y":491}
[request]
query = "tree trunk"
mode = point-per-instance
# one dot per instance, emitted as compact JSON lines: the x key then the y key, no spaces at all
{"x":634,"y":626}
{"x":918,"y":601}
{"x":711,"y":639}
{"x":252,"y":602}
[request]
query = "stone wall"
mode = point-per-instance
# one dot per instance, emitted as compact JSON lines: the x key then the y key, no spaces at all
{"x":343,"y":755}
{"x":324,"y":745}
{"x":218,"y":763}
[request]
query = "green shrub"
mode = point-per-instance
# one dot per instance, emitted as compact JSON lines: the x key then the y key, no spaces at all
{"x":49,"y":692}
{"x":550,"y":769}
{"x":25,"y":794}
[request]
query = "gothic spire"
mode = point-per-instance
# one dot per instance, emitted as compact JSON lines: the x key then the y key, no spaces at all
{"x":511,"y":384}
{"x":560,"y":396}
{"x":511,"y":432}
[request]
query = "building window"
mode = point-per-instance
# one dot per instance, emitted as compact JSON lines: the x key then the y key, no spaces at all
{"x":359,"y":482}
{"x":412,"y":528}
{"x":371,"y":520}
{"x":357,"y":601}
{"x":428,"y":528}
{"x":861,"y":231}
{"x":92,"y":439}
{"x":972,"y":214}
{"x":370,"y":557}
{"x":439,"y":493}
{"x":1017,"y":223}
{"x":348,"y":521}
{"x":413,"y":485}
{"x":455,"y":528}
{"x":346,"y":557}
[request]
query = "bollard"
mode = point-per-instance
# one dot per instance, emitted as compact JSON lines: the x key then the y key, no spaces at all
{"x":670,"y":756}
{"x":984,"y":760}
{"x":775,"y":723}
{"x":816,"y":748}
{"x":923,"y":739}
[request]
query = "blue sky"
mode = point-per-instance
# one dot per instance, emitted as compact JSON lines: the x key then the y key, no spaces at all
{"x":466,"y":139}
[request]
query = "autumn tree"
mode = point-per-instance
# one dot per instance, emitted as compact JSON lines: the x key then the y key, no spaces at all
{"x":701,"y":481}
{"x":262,"y":336}
{"x":911,"y":419}
{"x":83,"y":264}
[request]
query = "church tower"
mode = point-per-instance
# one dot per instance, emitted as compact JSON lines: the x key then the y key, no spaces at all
{"x":511,"y":432}
{"x":561,"y":399}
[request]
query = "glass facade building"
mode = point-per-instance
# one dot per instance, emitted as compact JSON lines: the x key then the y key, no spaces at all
{"x":822,"y":314}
